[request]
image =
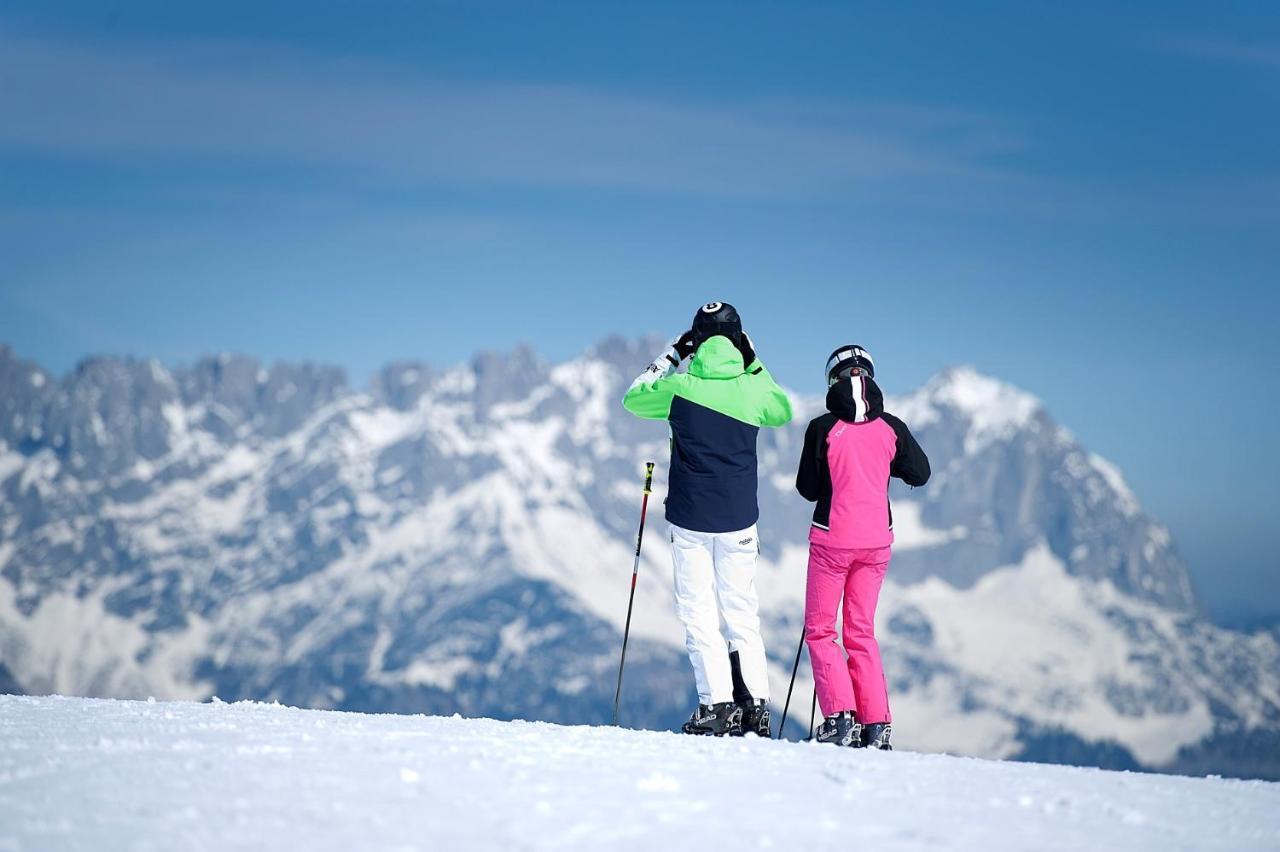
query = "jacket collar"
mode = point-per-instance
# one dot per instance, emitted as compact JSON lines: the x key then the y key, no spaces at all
{"x":717,"y":358}
{"x":855,"y":399}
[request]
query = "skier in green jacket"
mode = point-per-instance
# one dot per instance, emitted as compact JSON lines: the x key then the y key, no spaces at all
{"x":715,"y":411}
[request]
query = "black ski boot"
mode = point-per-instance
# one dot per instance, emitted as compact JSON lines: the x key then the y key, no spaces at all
{"x":716,"y":720}
{"x":876,"y":735}
{"x":755,"y":719}
{"x":841,"y":729}
{"x":755,"y":715}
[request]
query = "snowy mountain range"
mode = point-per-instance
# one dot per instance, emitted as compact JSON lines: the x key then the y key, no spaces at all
{"x":460,"y":540}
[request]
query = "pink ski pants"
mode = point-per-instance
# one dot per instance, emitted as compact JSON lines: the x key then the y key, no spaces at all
{"x":856,"y":684}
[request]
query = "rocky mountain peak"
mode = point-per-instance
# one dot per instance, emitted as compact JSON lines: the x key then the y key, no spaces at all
{"x":991,"y":408}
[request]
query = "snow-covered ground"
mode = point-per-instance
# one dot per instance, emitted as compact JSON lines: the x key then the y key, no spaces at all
{"x":99,"y":774}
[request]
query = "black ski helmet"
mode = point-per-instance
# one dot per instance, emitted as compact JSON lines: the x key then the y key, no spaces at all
{"x":717,"y":318}
{"x":844,"y":359}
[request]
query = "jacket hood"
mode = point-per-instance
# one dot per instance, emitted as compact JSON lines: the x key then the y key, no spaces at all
{"x":717,"y":358}
{"x":855,"y":399}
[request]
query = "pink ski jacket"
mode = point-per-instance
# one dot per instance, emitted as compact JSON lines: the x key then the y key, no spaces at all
{"x":849,"y":455}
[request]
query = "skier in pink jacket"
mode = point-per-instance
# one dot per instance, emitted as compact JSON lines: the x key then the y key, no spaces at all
{"x":849,"y":455}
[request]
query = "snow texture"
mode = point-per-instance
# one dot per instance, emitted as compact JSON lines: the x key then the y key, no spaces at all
{"x":105,"y":775}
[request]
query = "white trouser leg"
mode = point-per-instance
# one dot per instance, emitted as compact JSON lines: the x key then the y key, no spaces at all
{"x":692,"y":557}
{"x":735,"y":571}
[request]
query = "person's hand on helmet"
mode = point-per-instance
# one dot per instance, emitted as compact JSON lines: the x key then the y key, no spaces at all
{"x":685,"y":345}
{"x":747,"y":349}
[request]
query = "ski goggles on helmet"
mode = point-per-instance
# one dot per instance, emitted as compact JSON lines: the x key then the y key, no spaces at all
{"x":846,"y":360}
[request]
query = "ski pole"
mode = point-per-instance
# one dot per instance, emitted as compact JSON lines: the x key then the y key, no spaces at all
{"x":813,"y":711}
{"x":635,"y":570}
{"x":794,"y":668}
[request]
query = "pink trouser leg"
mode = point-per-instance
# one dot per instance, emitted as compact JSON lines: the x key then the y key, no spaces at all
{"x":861,"y":593}
{"x":823,"y":590}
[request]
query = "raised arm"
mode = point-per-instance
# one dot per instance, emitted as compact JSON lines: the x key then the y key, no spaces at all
{"x":774,"y":407}
{"x":651,"y":393}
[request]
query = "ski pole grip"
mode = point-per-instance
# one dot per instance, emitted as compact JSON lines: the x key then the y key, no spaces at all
{"x":648,"y":477}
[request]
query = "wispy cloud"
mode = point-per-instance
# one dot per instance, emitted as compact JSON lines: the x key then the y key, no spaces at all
{"x":234,"y":103}
{"x":1261,"y":54}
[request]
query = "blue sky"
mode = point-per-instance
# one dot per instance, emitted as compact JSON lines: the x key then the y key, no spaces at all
{"x":1082,"y":201}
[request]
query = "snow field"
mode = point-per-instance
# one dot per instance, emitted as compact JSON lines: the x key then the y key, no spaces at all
{"x":102,"y":774}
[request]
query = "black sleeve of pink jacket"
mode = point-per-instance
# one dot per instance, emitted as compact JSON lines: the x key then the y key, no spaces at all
{"x":813,"y":479}
{"x":910,"y":464}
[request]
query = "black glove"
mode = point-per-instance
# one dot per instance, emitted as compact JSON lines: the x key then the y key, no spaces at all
{"x":685,"y":345}
{"x":748,"y":351}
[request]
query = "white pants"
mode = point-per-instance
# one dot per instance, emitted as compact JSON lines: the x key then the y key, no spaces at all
{"x":715,"y":579}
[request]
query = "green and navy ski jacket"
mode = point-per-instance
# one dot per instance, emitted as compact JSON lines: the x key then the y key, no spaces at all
{"x":715,"y":411}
